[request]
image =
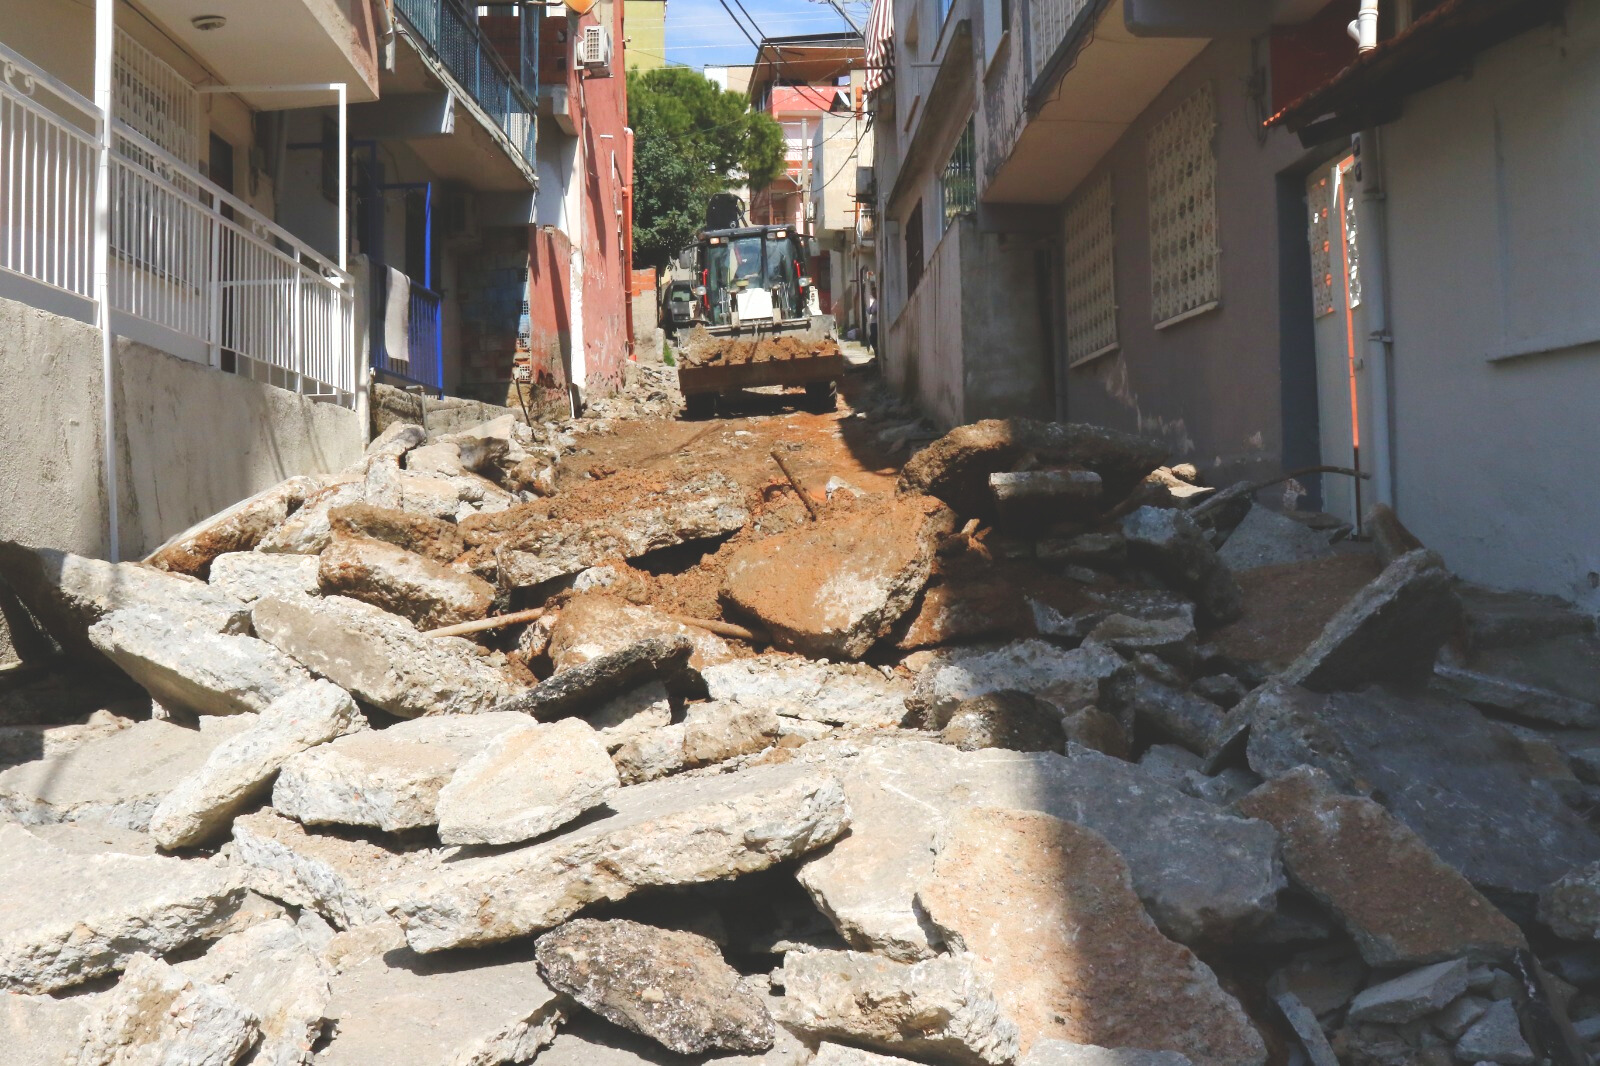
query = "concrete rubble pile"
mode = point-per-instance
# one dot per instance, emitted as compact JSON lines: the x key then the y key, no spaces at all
{"x":980,"y":772}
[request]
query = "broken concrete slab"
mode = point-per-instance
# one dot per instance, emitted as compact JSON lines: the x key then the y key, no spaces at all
{"x":187,"y":668}
{"x":380,"y":658}
{"x":396,"y":439}
{"x":71,"y":917}
{"x":426,"y":593}
{"x":1268,"y":538}
{"x":833,"y":588}
{"x":1013,"y":720}
{"x":1173,"y":639}
{"x":715,"y":732}
{"x":1461,"y":782}
{"x":388,"y":779}
{"x":740,"y":822}
{"x":1068,"y":679}
{"x":271,"y":972}
{"x":432,"y":538}
{"x":42,"y":1030}
{"x":1400,"y":903}
{"x":1169,"y":543}
{"x":650,"y":756}
{"x":634,"y":713}
{"x":671,"y":986}
{"x":1164,"y":713}
{"x":596,"y":625}
{"x":1035,"y":498}
{"x":241,"y":769}
{"x":344,"y":880}
{"x":1496,"y":1037}
{"x":156,"y":1016}
{"x":249,"y":576}
{"x":940,"y":1008}
{"x":1097,"y":550}
{"x":1048,"y":910}
{"x":527,"y":782}
{"x":1391,"y":631}
{"x":956,"y":467}
{"x":588,"y":1041}
{"x":237,"y":529}
{"x":69,"y":593}
{"x":1507,"y":698}
{"x":1570,"y":906}
{"x":119,"y":779}
{"x":24,"y":743}
{"x":1203,"y":874}
{"x":1066,"y":1053}
{"x":835,"y":693}
{"x":398,"y":1008}
{"x":528,"y":547}
{"x":1411,"y":996}
{"x":589,"y":684}
{"x":308,"y":530}
{"x":840,"y":1055}
{"x":441,"y":457}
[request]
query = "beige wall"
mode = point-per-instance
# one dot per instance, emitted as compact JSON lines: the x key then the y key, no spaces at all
{"x":191,"y":440}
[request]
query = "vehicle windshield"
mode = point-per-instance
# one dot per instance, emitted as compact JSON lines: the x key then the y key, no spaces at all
{"x":728,"y":264}
{"x":783,"y":275}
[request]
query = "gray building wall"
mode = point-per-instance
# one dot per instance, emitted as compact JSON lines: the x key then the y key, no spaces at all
{"x":1493,"y":227}
{"x":1210,"y":385}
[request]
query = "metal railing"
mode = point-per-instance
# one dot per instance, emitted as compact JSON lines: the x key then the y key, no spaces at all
{"x":456,"y":39}
{"x":1048,"y":23}
{"x":418,"y":358}
{"x":207,"y":272}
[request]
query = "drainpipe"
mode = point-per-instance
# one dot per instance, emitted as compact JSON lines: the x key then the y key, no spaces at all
{"x":104,"y":43}
{"x":1364,"y":30}
{"x":1375,"y":292}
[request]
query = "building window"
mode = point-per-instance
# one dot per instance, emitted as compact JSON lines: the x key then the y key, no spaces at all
{"x":1091,"y":304}
{"x":958,"y":183}
{"x":1185,"y":279}
{"x":914,"y":248}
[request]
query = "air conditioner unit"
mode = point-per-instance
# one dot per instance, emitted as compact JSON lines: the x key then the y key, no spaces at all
{"x":594,"y":50}
{"x":866,"y":183}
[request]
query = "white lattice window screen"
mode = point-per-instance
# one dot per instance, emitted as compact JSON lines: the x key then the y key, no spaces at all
{"x":1352,"y":246}
{"x":1322,"y":249}
{"x":1091,"y":307}
{"x":1184,"y":274}
{"x":156,"y":100}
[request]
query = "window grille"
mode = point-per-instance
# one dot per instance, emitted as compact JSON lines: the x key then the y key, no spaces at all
{"x":958,"y":185}
{"x":1352,"y":246}
{"x":1321,"y":250}
{"x":156,"y":100}
{"x":1091,"y":304}
{"x":1185,"y":278}
{"x":913,"y":241}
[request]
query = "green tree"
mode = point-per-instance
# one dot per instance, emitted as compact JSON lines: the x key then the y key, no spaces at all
{"x":691,"y":140}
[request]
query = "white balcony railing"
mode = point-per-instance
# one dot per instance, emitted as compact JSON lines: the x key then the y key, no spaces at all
{"x":211,"y":275}
{"x":1048,"y":23}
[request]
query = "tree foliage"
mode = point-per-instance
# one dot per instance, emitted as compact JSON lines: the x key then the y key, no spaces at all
{"x":690,"y":140}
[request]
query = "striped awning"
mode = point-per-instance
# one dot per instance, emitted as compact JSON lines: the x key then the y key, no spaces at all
{"x":880,"y":44}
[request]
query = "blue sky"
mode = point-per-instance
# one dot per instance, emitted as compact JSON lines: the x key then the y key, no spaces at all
{"x":699,"y":32}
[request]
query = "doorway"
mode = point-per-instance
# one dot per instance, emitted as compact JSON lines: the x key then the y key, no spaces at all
{"x":1333,"y":206}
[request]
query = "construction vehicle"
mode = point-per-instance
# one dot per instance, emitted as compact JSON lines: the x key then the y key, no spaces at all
{"x":753,"y":323}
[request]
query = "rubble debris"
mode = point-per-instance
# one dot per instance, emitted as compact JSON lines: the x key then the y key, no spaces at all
{"x":1097,"y":550}
{"x":1169,"y":543}
{"x":118,"y":779}
{"x":1047,"y":909}
{"x":648,"y":756}
{"x":671,"y":986}
{"x":528,"y":548}
{"x":380,"y":658}
{"x":1268,"y":538}
{"x":431,"y":538}
{"x":398,"y":1008}
{"x":1037,"y":498}
{"x":156,"y":1016}
{"x":849,"y":694}
{"x":426,"y":593}
{"x":396,"y":439}
{"x":633,"y":713}
{"x":1066,"y":1053}
{"x":187,"y":668}
{"x":389,"y":779}
{"x":1068,"y":679}
{"x":72,"y":917}
{"x":956,"y":467}
{"x":740,"y":822}
{"x":1460,"y":782}
{"x":241,"y":769}
{"x":1496,"y":1037}
{"x":1412,"y":995}
{"x":273,"y":974}
{"x":1163,"y":713}
{"x":840,"y":1055}
{"x":236,"y":529}
{"x":525,"y":783}
{"x":1203,"y":874}
{"x":1391,"y":631}
{"x":308,"y":530}
{"x":22,"y":743}
{"x":1512,"y":699}
{"x":1173,"y":639}
{"x":715,"y":732}
{"x":1313,"y":1041}
{"x":1010,"y":719}
{"x":42,"y":1030}
{"x":249,"y":576}
{"x":939,"y":1008}
{"x":1399,"y":902}
{"x":1570,"y":906}
{"x":594,"y":625}
{"x":68,"y":593}
{"x":1389,"y":535}
{"x":587,"y":684}
{"x":344,"y":880}
{"x":833,"y":588}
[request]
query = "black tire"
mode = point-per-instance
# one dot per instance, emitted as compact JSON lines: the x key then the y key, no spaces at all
{"x":700,"y":405}
{"x":822,"y":396}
